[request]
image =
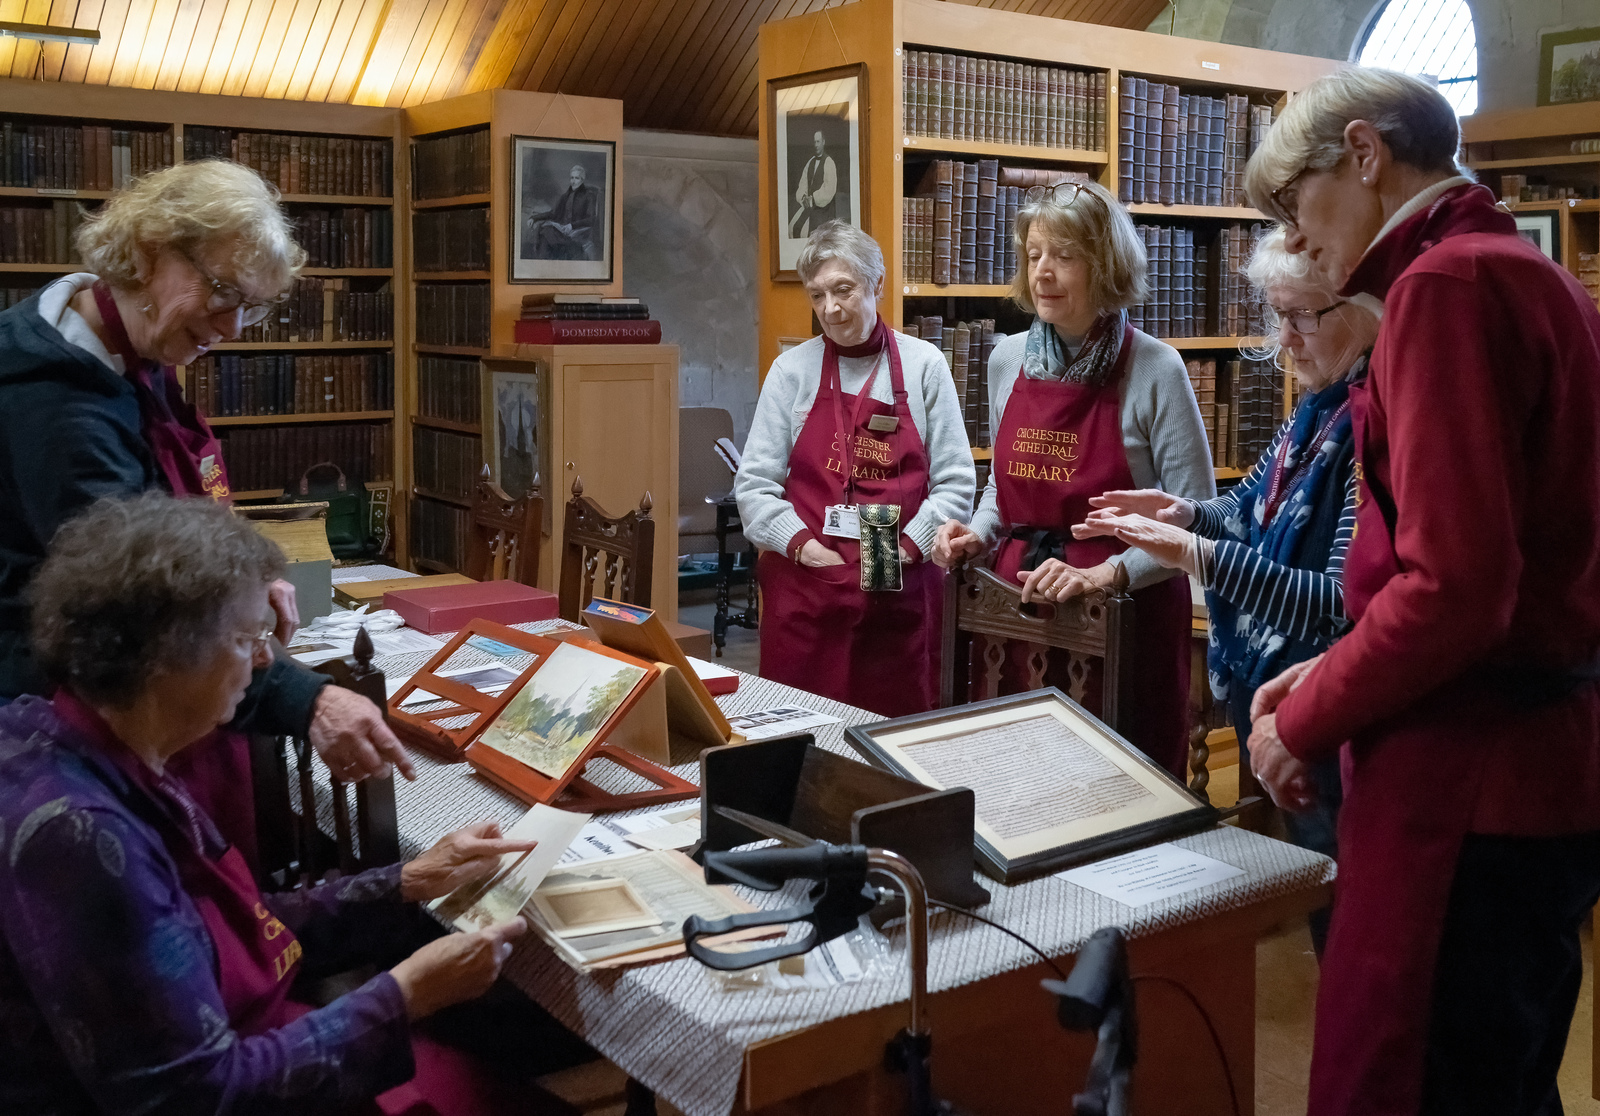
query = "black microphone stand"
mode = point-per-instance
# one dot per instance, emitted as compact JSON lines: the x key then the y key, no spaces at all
{"x":1098,"y":996}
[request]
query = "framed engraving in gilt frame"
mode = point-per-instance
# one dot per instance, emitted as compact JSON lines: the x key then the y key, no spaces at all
{"x":1054,"y":786}
{"x":563,"y":210}
{"x":816,"y":152}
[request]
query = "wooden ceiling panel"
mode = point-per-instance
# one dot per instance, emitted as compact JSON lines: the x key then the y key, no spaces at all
{"x":681,"y":65}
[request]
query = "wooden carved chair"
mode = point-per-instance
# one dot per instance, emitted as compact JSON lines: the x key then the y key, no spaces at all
{"x":503,"y":534}
{"x":603,"y":555}
{"x":982,"y":612}
{"x":293,"y":847}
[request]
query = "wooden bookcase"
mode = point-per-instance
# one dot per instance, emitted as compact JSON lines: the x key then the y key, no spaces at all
{"x":170,"y":114}
{"x":879,"y":32}
{"x":1538,"y":143}
{"x":497,"y":116}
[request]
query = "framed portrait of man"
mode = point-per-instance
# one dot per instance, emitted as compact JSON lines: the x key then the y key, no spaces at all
{"x":817,"y":146}
{"x":563,"y":210}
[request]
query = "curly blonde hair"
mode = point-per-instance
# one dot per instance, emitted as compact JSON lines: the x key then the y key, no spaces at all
{"x":1101,"y":231}
{"x":193,"y":207}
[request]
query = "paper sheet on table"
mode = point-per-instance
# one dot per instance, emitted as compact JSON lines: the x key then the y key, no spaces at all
{"x":617,"y":835}
{"x":490,"y":679}
{"x":1159,"y":872}
{"x":404,"y":641}
{"x":369,"y":573}
{"x":780,"y":721}
{"x":504,"y":894}
{"x":708,"y":671}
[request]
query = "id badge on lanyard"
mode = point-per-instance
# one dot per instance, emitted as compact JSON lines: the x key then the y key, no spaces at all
{"x":843,"y":520}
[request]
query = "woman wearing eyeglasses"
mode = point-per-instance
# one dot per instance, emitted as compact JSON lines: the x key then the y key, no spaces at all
{"x":1086,"y":405}
{"x":1270,"y":553}
{"x":90,"y":406}
{"x":1463,"y":702}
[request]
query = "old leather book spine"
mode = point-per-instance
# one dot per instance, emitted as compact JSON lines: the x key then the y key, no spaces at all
{"x":1169,"y":144}
{"x":974,"y":379}
{"x":943,"y":201}
{"x":1155,"y":100}
{"x":963,"y":96}
{"x":985,"y":351}
{"x":959,"y":352}
{"x":1141,"y":135}
{"x":1125,"y":141}
{"x":946,"y":69}
{"x":988,"y":181}
{"x":969,"y":222}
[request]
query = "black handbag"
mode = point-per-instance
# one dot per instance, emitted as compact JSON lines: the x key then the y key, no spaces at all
{"x":349,"y":522}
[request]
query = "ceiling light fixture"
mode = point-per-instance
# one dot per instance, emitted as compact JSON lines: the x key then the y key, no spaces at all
{"x":47,"y":33}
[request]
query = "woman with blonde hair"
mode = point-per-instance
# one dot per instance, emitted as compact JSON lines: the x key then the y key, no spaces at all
{"x":90,"y":406}
{"x":1085,"y":404}
{"x":1463,"y":703}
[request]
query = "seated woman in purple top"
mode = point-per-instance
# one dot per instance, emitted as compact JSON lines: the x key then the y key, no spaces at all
{"x":140,"y":968}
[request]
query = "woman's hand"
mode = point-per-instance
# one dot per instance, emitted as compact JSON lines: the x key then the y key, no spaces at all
{"x":1271,"y":694}
{"x":1161,"y":506}
{"x":1054,"y":580}
{"x":1172,"y":546}
{"x":1286,"y":779}
{"x":351,"y":736}
{"x":459,"y":858}
{"x":455,"y":968}
{"x":280,"y":595}
{"x":814,"y":554}
{"x":955,"y":542}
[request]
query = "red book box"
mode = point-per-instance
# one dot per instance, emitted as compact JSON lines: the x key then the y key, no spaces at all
{"x":448,"y":608}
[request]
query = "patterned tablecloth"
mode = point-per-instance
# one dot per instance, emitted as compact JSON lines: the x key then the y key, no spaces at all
{"x":673,"y":1027}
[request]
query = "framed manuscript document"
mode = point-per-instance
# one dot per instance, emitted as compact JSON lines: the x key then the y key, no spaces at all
{"x":1054,"y":786}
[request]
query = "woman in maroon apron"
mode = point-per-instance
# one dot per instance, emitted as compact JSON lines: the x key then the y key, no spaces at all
{"x":132,"y":930}
{"x":1463,"y":703}
{"x":1064,"y":437}
{"x":826,"y":467}
{"x":183,"y":259}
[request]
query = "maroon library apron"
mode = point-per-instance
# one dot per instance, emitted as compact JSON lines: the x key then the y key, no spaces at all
{"x":216,"y":771}
{"x":819,"y":631}
{"x":1057,"y":445}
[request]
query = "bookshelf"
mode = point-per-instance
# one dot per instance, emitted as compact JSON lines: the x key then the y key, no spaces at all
{"x":889,"y":35}
{"x":464,"y":304}
{"x":1545,"y":149}
{"x":334,"y":167}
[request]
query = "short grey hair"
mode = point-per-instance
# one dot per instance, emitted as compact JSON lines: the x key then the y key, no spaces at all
{"x":835,"y":240}
{"x":192,"y":207}
{"x":1412,"y":116}
{"x":136,"y":586}
{"x":1272,"y":265}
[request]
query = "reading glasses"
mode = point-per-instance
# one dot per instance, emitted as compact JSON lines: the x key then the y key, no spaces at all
{"x":1055,"y":193}
{"x":1304,"y":322}
{"x":225,"y":297}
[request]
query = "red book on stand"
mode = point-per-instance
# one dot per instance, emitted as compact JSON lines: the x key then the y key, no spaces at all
{"x":449,"y":608}
{"x":545,"y":332}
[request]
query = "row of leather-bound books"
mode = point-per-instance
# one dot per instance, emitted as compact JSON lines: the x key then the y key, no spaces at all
{"x":445,"y":463}
{"x":967,"y":347}
{"x":10,"y":296}
{"x":448,"y":388}
{"x":960,"y":225}
{"x":356,"y":236}
{"x":1198,"y":289}
{"x":450,"y":239}
{"x":301,"y":164}
{"x":1176,"y":148}
{"x":268,"y":457}
{"x":40,"y":234}
{"x":450,"y":166}
{"x":454,"y":314}
{"x":1242,"y":406}
{"x":439,"y":532}
{"x":995,"y":100}
{"x":79,"y":157}
{"x":226,"y":385}
{"x":322,"y":309}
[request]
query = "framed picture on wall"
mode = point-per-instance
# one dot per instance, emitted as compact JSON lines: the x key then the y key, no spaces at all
{"x":1540,"y":228}
{"x":817,"y":154}
{"x":513,"y":428}
{"x":563,"y":210}
{"x":1569,"y":66}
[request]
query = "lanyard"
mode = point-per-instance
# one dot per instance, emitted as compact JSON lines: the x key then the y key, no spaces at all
{"x":1277,"y":487}
{"x":846,"y":435}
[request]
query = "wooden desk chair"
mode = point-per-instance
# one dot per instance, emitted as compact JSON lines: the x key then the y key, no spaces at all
{"x":504,"y":534}
{"x":1098,"y":625}
{"x":604,"y":555}
{"x":291,"y":845}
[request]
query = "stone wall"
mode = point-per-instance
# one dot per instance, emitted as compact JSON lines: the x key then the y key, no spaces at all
{"x":689,"y":248}
{"x":1507,"y":31}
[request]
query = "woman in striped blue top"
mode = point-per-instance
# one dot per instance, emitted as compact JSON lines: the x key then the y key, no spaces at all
{"x":1270,"y":553}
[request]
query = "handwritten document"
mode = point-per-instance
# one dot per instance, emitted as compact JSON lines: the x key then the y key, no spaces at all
{"x":1030,"y":775}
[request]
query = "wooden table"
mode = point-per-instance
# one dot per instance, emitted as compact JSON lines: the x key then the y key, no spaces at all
{"x":997,"y":1047}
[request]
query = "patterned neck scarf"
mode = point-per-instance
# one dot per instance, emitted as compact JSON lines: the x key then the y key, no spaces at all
{"x":1045,"y":358}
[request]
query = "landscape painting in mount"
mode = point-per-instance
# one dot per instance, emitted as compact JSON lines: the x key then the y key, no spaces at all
{"x":817,"y":151}
{"x":563,"y":210}
{"x":1569,"y":66}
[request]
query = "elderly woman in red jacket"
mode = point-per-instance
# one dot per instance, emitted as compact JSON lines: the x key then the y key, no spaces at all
{"x":1465,"y":696}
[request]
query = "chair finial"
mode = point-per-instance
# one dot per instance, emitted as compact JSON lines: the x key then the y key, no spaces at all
{"x":487,"y":474}
{"x":577,"y":486}
{"x":646,"y":503}
{"x":362,"y":648}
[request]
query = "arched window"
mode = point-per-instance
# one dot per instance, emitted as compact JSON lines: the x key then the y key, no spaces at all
{"x":1432,"y":38}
